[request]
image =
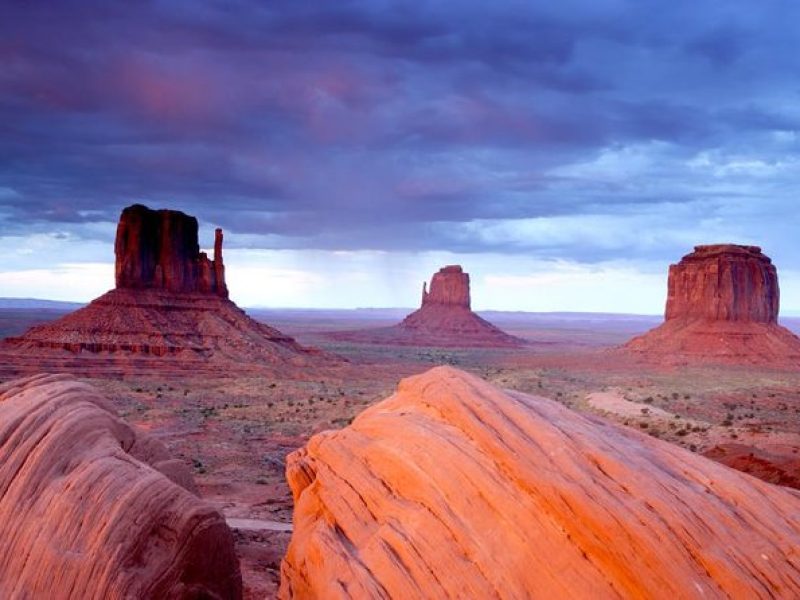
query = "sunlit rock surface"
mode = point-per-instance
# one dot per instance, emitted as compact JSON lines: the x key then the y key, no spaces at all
{"x":452,"y":488}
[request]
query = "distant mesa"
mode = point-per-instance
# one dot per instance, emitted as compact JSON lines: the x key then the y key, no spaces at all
{"x":489,"y":493}
{"x":722,"y":306}
{"x":170,"y":300}
{"x":93,"y":508}
{"x":444,"y":319}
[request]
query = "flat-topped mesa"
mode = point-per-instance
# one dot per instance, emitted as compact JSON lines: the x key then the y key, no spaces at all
{"x":724,"y":282}
{"x":449,"y":287}
{"x":722,"y":306}
{"x":158,"y":249}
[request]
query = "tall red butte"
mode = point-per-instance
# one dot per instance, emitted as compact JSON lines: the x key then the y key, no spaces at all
{"x":169,"y":310}
{"x":444,"y":319}
{"x":722,"y":306}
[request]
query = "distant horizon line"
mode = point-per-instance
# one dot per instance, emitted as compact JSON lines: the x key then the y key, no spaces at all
{"x":31,"y":300}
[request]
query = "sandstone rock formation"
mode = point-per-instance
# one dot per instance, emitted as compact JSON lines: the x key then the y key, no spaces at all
{"x":170,"y":300}
{"x":449,"y":287}
{"x":159,"y":249}
{"x":444,"y":319}
{"x":452,"y":488}
{"x":722,"y":306}
{"x":724,"y":283}
{"x":91,"y":508}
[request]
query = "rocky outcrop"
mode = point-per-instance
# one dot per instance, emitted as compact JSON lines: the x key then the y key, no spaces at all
{"x":159,"y":249}
{"x":170,"y":301}
{"x":444,"y":319}
{"x":722,"y":306}
{"x":449,"y":287}
{"x":487,"y":493}
{"x":724,"y":283}
{"x":91,"y":508}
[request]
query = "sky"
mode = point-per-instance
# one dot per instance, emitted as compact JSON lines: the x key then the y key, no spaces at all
{"x":565,"y":153}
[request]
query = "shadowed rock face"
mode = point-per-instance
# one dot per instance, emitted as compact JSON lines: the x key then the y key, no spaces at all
{"x":159,"y":249}
{"x":722,"y":306}
{"x":91,"y":508}
{"x":170,"y":301}
{"x":452,"y":488}
{"x":724,"y":283}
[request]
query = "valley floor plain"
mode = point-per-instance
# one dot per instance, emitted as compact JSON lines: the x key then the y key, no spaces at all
{"x":236,"y":430}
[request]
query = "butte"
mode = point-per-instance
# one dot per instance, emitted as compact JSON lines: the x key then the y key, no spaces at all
{"x":722,"y":307}
{"x":169,"y":311}
{"x":445,"y":319}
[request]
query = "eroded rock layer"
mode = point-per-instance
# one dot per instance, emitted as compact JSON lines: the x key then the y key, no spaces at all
{"x":722,"y":306}
{"x":170,"y":302}
{"x":452,"y":488}
{"x":92,"y":509}
{"x":724,"y":282}
{"x":159,"y":249}
{"x":157,"y":323}
{"x":449,"y":287}
{"x":444,"y":319}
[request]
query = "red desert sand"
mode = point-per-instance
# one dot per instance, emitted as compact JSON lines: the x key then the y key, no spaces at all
{"x":445,"y":319}
{"x":91,"y":508}
{"x":722,"y":306}
{"x":452,"y":488}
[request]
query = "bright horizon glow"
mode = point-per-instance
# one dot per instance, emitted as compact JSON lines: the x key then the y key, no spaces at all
{"x":348,"y":280}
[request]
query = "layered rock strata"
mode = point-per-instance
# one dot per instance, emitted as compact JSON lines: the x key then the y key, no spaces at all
{"x":452,"y":488}
{"x":722,"y":305}
{"x":170,"y":301}
{"x":92,"y":508}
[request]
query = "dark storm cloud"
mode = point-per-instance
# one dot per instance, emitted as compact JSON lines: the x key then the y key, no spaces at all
{"x":389,"y":125}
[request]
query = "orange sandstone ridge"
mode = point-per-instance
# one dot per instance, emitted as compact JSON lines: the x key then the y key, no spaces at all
{"x":722,"y":306}
{"x":92,"y":508}
{"x":444,"y":319}
{"x":452,"y":488}
{"x":170,"y":311}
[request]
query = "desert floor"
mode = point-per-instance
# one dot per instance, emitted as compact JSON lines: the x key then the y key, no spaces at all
{"x":236,"y":430}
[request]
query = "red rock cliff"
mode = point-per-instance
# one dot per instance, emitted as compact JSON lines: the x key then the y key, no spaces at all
{"x":724,"y":282}
{"x":159,"y":249}
{"x":449,"y":287}
{"x":722,"y":306}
